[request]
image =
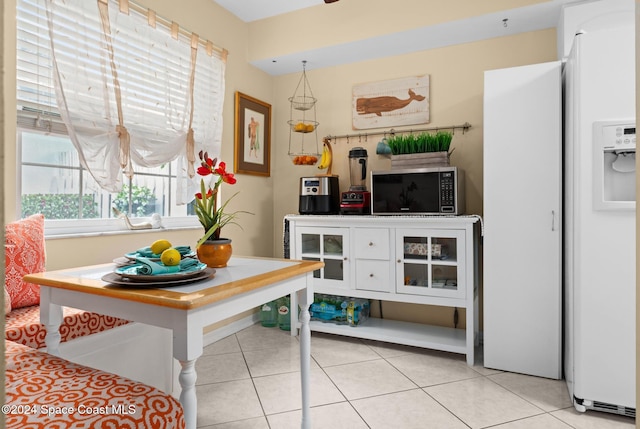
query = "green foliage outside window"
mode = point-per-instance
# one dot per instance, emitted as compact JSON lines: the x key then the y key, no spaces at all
{"x":142,"y":198}
{"x":66,"y":206}
{"x":59,"y":206}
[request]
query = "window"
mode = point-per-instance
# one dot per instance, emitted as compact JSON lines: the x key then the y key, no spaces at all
{"x":55,"y":184}
{"x":53,"y":178}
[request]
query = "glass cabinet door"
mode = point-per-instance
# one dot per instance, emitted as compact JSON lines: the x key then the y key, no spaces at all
{"x":329,"y":245}
{"x":428,"y":262}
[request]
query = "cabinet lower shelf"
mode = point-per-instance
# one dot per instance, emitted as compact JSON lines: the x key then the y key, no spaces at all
{"x":407,"y":333}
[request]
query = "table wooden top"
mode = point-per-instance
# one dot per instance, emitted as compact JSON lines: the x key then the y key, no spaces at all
{"x":241,"y":275}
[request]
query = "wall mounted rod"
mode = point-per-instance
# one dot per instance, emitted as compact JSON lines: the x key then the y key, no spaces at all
{"x":464,"y":127}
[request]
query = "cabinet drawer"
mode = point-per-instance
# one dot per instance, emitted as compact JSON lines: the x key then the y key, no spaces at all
{"x":372,"y":243}
{"x":373,"y":275}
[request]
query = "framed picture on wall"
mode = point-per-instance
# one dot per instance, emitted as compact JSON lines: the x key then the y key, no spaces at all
{"x":391,"y":103}
{"x":252,"y":136}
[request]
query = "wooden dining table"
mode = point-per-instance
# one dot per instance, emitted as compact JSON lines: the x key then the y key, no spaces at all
{"x":186,"y":309}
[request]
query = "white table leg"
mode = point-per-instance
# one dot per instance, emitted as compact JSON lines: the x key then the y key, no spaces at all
{"x":305,"y":358}
{"x":52,"y":339}
{"x":188,"y":397}
{"x":51,"y":318}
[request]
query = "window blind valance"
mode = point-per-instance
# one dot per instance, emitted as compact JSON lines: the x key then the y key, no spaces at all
{"x":131,"y":93}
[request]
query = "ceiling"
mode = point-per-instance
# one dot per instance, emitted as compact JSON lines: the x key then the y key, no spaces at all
{"x":524,"y":19}
{"x":253,"y":10}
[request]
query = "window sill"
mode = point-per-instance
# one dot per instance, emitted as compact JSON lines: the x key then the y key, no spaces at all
{"x":63,"y":229}
{"x":113,"y":233}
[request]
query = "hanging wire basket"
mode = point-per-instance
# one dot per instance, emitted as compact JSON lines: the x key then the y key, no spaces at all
{"x":302,"y":159}
{"x":303,"y":137}
{"x":302,"y":102}
{"x":303,"y":125}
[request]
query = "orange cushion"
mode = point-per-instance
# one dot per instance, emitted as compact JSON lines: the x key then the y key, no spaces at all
{"x":24,"y":254}
{"x":23,"y":325}
{"x":45,"y":391}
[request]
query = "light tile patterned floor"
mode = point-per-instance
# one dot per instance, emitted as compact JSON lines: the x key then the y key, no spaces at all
{"x":251,"y":380}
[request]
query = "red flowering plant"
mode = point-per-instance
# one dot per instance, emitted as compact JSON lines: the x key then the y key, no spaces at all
{"x":212,"y":217}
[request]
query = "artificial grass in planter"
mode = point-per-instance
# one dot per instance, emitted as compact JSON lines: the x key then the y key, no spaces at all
{"x":420,"y":143}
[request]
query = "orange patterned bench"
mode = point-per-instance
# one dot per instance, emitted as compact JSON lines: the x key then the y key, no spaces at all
{"x":22,"y":325}
{"x":43,"y":390}
{"x":133,"y":350}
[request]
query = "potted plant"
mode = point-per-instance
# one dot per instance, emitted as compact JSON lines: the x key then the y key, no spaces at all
{"x":420,"y":150}
{"x":211,"y":248}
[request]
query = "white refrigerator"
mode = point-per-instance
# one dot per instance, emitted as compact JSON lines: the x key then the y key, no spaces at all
{"x":599,"y":213}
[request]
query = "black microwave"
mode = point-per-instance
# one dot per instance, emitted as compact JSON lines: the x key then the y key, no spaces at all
{"x":422,"y":191}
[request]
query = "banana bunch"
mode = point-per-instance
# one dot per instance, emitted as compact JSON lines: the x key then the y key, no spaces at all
{"x":325,"y":160}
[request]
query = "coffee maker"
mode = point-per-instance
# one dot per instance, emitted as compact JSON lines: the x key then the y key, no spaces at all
{"x":357,"y":200}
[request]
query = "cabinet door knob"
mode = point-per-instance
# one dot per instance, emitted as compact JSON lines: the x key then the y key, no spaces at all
{"x":371,"y":275}
{"x":345,"y":258}
{"x":370,"y":244}
{"x":399,"y":260}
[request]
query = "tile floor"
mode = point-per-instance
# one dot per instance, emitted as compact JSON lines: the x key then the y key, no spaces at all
{"x":251,"y":380}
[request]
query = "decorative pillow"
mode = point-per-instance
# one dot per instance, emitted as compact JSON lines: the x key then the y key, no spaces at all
{"x":7,"y":302}
{"x":24,"y":254}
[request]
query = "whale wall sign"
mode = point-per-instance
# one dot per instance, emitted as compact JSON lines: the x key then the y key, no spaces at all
{"x":391,"y":103}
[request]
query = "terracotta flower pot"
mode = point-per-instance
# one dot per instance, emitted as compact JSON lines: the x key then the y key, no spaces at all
{"x":215,"y":253}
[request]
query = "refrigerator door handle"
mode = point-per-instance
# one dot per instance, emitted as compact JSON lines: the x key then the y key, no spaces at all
{"x":553,"y":220}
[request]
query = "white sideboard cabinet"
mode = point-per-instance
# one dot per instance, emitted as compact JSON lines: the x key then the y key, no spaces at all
{"x":431,"y":260}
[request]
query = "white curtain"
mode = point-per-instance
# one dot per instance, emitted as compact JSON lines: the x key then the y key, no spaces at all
{"x":129,"y":94}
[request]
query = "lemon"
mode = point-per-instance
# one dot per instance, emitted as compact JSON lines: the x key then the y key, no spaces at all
{"x":300,"y":126}
{"x":160,"y":246}
{"x":170,"y":257}
{"x":309,"y":128}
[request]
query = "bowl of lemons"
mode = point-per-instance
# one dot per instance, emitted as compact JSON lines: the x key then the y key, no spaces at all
{"x":157,"y":248}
